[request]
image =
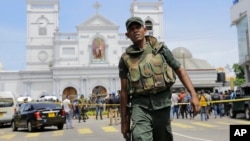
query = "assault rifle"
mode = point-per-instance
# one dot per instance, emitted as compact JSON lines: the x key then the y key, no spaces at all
{"x":128,"y":137}
{"x":130,"y":90}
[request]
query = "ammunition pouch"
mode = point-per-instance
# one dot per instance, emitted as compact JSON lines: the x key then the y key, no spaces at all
{"x":148,"y":73}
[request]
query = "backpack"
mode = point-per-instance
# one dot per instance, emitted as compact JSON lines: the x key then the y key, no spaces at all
{"x":216,"y":96}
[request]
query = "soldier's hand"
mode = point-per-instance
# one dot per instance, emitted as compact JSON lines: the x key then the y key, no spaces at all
{"x":195,"y":105}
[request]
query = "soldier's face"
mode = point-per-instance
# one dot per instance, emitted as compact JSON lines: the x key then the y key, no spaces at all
{"x":136,"y":32}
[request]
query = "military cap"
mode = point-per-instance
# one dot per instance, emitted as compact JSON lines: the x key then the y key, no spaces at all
{"x":132,"y":20}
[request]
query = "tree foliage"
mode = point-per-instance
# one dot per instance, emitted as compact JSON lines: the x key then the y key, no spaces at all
{"x":240,"y":75}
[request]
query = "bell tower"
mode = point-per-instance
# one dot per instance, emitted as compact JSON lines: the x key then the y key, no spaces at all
{"x":42,"y":23}
{"x":152,"y":14}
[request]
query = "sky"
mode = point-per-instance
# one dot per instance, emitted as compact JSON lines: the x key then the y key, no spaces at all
{"x":201,"y":26}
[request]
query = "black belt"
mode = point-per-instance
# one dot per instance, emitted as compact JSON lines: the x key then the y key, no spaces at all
{"x":149,"y":92}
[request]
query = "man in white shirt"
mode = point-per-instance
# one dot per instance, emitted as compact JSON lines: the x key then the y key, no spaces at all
{"x":68,"y":108}
{"x":174,"y":107}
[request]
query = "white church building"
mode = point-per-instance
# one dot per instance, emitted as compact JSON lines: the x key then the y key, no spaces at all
{"x":85,"y":61}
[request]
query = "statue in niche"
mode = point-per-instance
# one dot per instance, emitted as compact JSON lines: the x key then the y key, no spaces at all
{"x":98,"y":46}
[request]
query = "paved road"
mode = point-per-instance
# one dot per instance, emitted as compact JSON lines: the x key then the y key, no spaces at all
{"x":99,"y":130}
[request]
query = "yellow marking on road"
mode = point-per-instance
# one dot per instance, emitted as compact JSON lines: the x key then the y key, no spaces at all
{"x":203,"y":124}
{"x":84,"y":131}
{"x":241,"y":122}
{"x":7,"y":136}
{"x":224,"y":123}
{"x":109,"y":129}
{"x":57,"y":133}
{"x":31,"y":135}
{"x":181,"y":125}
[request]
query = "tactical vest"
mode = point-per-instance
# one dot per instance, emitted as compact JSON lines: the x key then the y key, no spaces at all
{"x":148,"y":73}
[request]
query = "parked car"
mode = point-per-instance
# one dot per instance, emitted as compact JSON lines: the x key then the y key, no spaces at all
{"x":240,"y":105}
{"x":48,"y":98}
{"x":37,"y":115}
{"x":22,"y":99}
{"x":8,"y":106}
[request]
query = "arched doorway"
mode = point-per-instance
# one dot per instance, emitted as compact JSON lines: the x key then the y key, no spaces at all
{"x":71,"y":92}
{"x":98,"y":90}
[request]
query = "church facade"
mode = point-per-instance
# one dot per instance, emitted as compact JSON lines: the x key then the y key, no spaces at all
{"x":86,"y":61}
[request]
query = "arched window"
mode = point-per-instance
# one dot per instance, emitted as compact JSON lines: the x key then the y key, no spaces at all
{"x":42,"y":23}
{"x":149,"y":27}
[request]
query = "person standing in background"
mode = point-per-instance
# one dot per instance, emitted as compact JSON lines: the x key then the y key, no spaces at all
{"x":189,"y":107}
{"x":216,"y":97}
{"x":175,"y":106}
{"x":113,"y":109}
{"x":183,"y":104}
{"x":107,"y":104}
{"x":119,"y":106}
{"x":68,"y":108}
{"x":76,"y":113}
{"x":203,"y":103}
{"x":233,"y":94}
{"x":82,"y":108}
{"x":99,"y":101}
{"x":209,"y":99}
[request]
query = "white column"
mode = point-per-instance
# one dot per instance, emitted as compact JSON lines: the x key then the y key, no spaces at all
{"x":87,"y":89}
{"x":57,"y":88}
{"x":114,"y":85}
{"x":54,"y":87}
{"x":28,"y":88}
{"x":81,"y":86}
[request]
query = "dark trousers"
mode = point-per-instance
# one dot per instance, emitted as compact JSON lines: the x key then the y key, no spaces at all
{"x":99,"y":111}
{"x":148,"y":125}
{"x":183,"y":111}
{"x":176,"y":111}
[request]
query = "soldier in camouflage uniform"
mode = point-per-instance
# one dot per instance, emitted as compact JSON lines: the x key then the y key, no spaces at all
{"x":144,"y":77}
{"x":82,"y":108}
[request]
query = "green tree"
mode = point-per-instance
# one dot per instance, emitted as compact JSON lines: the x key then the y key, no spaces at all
{"x":240,"y":75}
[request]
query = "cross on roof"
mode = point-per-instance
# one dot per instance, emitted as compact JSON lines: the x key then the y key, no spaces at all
{"x":97,"y":6}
